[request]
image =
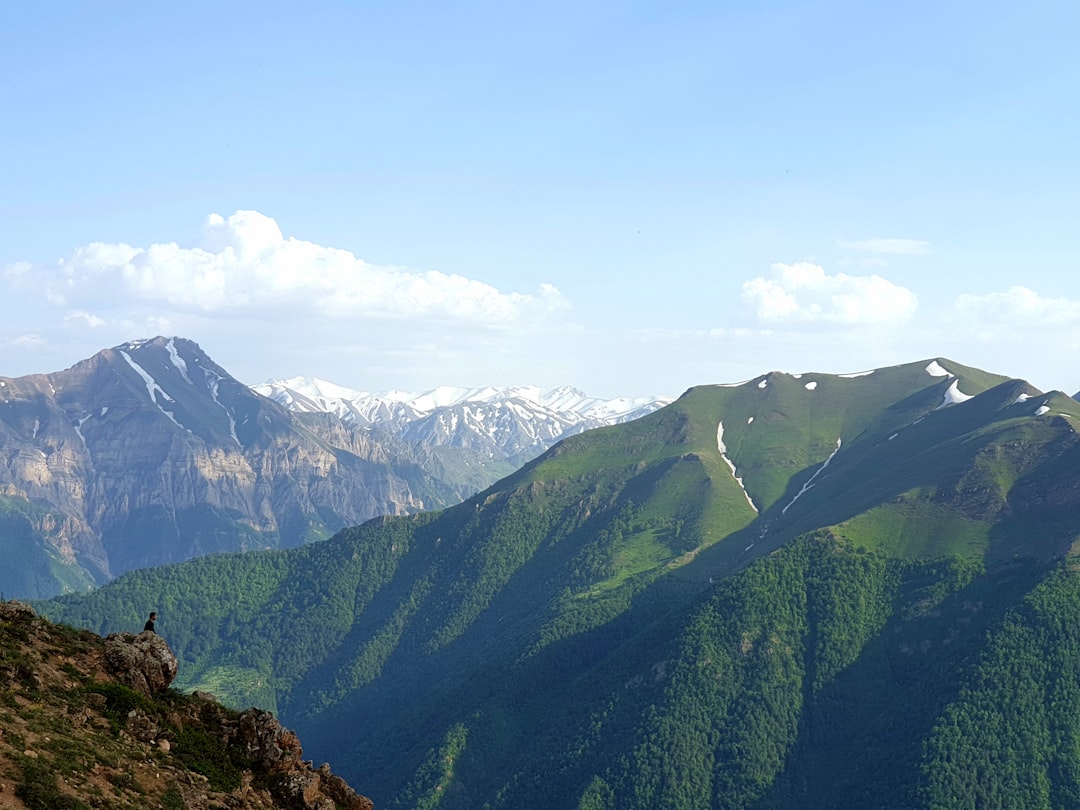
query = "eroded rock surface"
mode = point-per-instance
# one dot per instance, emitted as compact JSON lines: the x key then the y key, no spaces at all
{"x":144,"y":661}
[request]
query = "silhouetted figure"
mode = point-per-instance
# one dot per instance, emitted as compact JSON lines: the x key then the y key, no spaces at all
{"x":149,"y":626}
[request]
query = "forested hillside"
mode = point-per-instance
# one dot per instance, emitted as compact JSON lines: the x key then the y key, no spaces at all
{"x":788,"y":593}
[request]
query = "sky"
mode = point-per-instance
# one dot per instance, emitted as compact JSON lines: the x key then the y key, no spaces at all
{"x":631,"y":198}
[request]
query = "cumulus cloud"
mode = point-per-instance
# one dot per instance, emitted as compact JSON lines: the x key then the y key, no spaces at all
{"x":804,"y":293}
{"x":244,"y":264}
{"x":1018,"y":306}
{"x":27,"y":341}
{"x":85,"y":318}
{"x":895,"y":246}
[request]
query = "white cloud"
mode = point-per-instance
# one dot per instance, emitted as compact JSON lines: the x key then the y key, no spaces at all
{"x":26,"y":341}
{"x":1018,"y":306}
{"x":243,"y":264}
{"x":85,"y":318}
{"x":804,"y":293}
{"x":894,"y":246}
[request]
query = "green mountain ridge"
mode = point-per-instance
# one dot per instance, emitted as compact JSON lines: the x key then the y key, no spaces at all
{"x":702,"y":608}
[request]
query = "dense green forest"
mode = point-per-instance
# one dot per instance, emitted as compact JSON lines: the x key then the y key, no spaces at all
{"x":820,"y":675}
{"x":873,"y":612}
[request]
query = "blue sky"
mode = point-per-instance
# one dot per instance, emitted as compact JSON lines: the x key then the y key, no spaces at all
{"x":628,"y":197}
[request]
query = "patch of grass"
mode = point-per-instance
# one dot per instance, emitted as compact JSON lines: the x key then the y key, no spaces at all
{"x":72,"y":640}
{"x":206,"y":754}
{"x":125,"y":780}
{"x":12,"y":634}
{"x":71,"y":754}
{"x":120,"y":700}
{"x":173,"y":799}
{"x":911,"y":530}
{"x":73,"y":671}
{"x":38,"y":789}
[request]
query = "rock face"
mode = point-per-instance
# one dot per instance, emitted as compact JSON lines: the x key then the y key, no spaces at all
{"x":16,"y":612}
{"x":277,"y":751}
{"x":143,"y":662}
{"x":150,"y":453}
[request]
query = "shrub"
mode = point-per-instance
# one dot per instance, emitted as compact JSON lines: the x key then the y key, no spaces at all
{"x":38,"y":789}
{"x":206,"y":754}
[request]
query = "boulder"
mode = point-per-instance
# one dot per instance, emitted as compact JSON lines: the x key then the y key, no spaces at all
{"x":15,"y":611}
{"x":143,"y":662}
{"x":267,"y":742}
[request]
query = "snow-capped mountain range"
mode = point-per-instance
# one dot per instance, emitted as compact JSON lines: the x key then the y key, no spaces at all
{"x":513,"y":424}
{"x":310,"y":394}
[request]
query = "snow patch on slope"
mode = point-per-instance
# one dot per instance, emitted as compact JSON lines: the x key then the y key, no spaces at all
{"x":857,"y":374}
{"x":813,"y":478}
{"x":78,"y":428}
{"x":177,"y":360}
{"x":213,"y":380}
{"x":723,"y":454}
{"x":954,"y":396}
{"x":810,"y":386}
{"x":935,"y":369}
{"x":152,"y":388}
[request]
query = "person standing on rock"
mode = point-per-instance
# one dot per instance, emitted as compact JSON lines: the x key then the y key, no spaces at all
{"x":149,"y":626}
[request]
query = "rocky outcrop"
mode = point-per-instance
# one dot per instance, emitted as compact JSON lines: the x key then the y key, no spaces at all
{"x":143,"y":662}
{"x":268,"y":749}
{"x":276,"y":750}
{"x":16,"y":612}
{"x":75,"y":734}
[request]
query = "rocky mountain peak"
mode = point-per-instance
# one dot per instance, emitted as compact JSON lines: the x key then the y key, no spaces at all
{"x":149,"y":453}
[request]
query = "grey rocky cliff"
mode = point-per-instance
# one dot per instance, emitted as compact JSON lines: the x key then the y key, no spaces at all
{"x":150,"y":453}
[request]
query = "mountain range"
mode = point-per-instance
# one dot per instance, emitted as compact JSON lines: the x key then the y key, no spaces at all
{"x":800,"y":590}
{"x":150,"y":452}
{"x":500,"y":427}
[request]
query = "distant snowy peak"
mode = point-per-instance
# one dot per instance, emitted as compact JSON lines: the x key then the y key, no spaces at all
{"x":310,"y":394}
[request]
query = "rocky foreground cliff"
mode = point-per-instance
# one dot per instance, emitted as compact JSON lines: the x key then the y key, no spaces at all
{"x":87,"y":722}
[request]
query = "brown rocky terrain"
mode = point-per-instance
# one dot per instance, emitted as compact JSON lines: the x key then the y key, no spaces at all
{"x":87,"y":722}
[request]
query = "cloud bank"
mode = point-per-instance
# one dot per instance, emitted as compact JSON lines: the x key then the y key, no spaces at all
{"x":1018,"y":306}
{"x":803,"y":293}
{"x":244,"y":265}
